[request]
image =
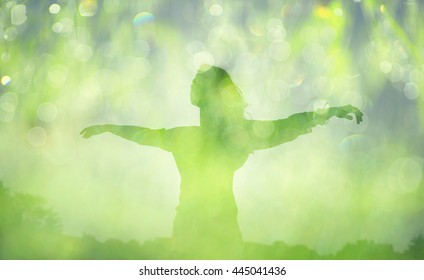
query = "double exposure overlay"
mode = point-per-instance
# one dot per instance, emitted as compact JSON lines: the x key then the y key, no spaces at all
{"x":257,"y":129}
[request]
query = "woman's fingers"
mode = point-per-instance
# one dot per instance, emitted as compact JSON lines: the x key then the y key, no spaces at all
{"x":352,"y":109}
{"x":359,"y":117}
{"x":86,"y":132}
{"x":346,"y":111}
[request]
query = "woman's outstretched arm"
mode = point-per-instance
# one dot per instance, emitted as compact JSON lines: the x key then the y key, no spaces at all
{"x":268,"y":134}
{"x":140,"y":135}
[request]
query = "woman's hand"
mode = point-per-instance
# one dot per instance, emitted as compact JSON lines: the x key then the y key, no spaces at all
{"x":93,"y":130}
{"x":345,"y":112}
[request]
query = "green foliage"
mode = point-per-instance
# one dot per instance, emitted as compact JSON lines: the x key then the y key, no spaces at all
{"x":26,"y":225}
{"x":416,"y":249}
{"x":367,"y":250}
{"x":29,"y":230}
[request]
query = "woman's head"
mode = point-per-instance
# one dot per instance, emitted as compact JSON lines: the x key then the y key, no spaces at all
{"x":213,"y":90}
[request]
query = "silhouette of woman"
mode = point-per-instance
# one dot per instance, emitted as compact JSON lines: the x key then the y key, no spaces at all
{"x":208,"y":155}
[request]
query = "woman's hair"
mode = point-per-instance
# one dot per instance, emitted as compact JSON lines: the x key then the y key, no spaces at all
{"x":214,"y":86}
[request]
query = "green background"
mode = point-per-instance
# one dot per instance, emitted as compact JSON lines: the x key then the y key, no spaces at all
{"x":65,"y":65}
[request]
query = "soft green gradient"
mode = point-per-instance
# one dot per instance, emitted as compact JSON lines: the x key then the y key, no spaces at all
{"x":89,"y":63}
